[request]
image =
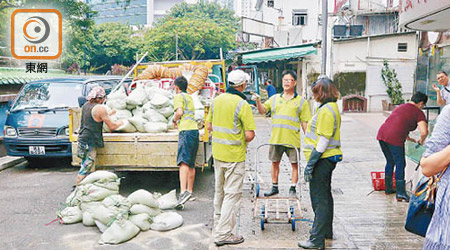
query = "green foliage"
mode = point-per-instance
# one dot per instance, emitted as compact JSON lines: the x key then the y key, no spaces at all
{"x":350,"y":83}
{"x":202,"y":29}
{"x":393,"y":86}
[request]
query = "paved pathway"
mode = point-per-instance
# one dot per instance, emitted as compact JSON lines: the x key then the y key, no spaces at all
{"x":363,"y":219}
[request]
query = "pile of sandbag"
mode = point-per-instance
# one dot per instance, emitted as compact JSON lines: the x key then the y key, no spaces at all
{"x":147,"y":109}
{"x":97,"y":202}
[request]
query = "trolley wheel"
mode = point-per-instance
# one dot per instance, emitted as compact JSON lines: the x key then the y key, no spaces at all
{"x":262,"y":222}
{"x":292,"y":219}
{"x":257,"y":190}
{"x":293,"y":225}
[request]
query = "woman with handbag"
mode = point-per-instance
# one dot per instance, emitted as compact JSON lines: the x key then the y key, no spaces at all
{"x":435,"y":160}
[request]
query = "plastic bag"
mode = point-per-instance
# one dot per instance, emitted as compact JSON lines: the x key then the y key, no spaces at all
{"x":169,"y":200}
{"x":156,"y":127}
{"x":167,"y":221}
{"x":142,"y":196}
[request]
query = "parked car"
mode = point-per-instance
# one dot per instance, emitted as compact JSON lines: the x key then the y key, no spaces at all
{"x":37,"y":122}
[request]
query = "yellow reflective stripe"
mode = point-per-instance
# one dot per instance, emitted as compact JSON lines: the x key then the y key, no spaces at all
{"x":311,"y":135}
{"x":286,"y":127}
{"x":226,"y":142}
{"x":286,"y":117}
{"x":225,"y":130}
{"x":300,"y":107}
{"x":273,"y":104}
{"x":187,"y":114}
{"x":235,"y":130}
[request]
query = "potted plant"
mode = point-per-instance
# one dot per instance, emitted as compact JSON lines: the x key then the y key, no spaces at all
{"x":393,"y":87}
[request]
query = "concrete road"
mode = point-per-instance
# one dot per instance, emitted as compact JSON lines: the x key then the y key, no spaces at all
{"x":363,"y":219}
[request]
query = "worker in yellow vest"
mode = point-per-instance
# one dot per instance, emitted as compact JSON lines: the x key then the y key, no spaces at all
{"x":231,"y":121}
{"x":322,"y":150}
{"x":290,"y":112}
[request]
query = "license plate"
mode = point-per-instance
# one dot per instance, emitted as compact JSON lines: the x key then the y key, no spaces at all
{"x":37,"y":150}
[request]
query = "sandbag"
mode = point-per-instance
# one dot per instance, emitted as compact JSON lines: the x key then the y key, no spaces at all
{"x":100,"y":175}
{"x":130,"y":107}
{"x":138,"y":111}
{"x":155,"y":127}
{"x":160,"y":101}
{"x":119,"y":94}
{"x":102,"y":227}
{"x":88,"y":220}
{"x":170,"y":122}
{"x":123,"y":114}
{"x":166,"y":111}
{"x":118,"y":203}
{"x":70,"y":215}
{"x":143,"y":221}
{"x":90,"y":206}
{"x":104,"y":215}
{"x":154,"y":116}
{"x":138,"y":96}
{"x":95,"y":193}
{"x":146,"y":107}
{"x":108,"y":184}
{"x":138,"y":122}
{"x":166,"y":221}
{"x":199,"y":115}
{"x":117,"y":104}
{"x":143,"y":209}
{"x":74,"y":198}
{"x":169,"y":200}
{"x":197,"y":103}
{"x":120,"y":231}
{"x":142,"y":196}
{"x":127,"y":127}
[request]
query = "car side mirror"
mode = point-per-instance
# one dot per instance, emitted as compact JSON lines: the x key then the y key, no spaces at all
{"x":81,"y":101}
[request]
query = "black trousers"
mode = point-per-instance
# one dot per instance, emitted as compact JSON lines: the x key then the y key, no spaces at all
{"x":322,"y":200}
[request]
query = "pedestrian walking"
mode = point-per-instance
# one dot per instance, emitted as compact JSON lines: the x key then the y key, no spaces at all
{"x":322,"y":150}
{"x":392,"y":136}
{"x":231,"y":121}
{"x":435,"y":159}
{"x":442,"y":95}
{"x":270,"y":88}
{"x":184,"y":119}
{"x":90,"y":137}
{"x":290,"y":112}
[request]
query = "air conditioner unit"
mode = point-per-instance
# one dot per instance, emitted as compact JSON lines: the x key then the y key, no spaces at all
{"x":339,"y":31}
{"x":356,"y":30}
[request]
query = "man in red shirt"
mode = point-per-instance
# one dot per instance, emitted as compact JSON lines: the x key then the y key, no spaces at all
{"x":392,"y":136}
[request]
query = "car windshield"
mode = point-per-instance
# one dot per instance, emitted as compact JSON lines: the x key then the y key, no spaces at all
{"x":48,"y":95}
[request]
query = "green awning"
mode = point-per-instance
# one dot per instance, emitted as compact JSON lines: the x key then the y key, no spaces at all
{"x":275,"y":54}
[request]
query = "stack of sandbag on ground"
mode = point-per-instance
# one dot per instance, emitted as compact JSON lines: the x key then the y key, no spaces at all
{"x":97,"y":202}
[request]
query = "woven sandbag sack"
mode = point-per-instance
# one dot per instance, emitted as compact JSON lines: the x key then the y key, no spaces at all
{"x":104,"y":215}
{"x":199,"y":115}
{"x":143,"y":221}
{"x":169,"y":200}
{"x":197,"y":103}
{"x":166,"y":221}
{"x":100,"y":175}
{"x":101,"y":227}
{"x":119,"y":94}
{"x":170,"y":122}
{"x":70,"y":215}
{"x":138,"y":122}
{"x":117,"y":202}
{"x":142,"y":196}
{"x":143,"y":209}
{"x":156,"y":127}
{"x":74,"y":198}
{"x":154,"y":116}
{"x":120,"y":231}
{"x":130,"y":107}
{"x":166,"y":111}
{"x":117,"y":104}
{"x":108,"y":184}
{"x":159,"y":101}
{"x":90,"y":206}
{"x":127,"y":127}
{"x":88,"y":220}
{"x":95,"y":193}
{"x":137,"y":96}
{"x":138,"y":111}
{"x":123,"y":114}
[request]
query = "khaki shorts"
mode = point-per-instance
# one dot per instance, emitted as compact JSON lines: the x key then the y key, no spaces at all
{"x":276,"y":152}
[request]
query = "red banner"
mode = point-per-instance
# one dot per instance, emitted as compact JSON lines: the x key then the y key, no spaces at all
{"x":338,"y":4}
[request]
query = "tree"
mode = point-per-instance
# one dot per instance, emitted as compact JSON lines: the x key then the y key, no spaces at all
{"x":202,"y":29}
{"x":393,"y":85}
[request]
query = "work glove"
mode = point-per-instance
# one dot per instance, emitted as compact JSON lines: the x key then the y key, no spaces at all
{"x":255,"y":97}
{"x":313,"y":159}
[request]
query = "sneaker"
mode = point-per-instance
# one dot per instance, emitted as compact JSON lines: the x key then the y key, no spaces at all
{"x":272,"y":192}
{"x":231,"y":240}
{"x":184,"y":197}
{"x":292,"y":192}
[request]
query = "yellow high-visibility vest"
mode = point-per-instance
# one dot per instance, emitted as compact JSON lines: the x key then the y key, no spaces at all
{"x":230,"y":116}
{"x":325,"y":122}
{"x":187,"y":121}
{"x":287,"y":116}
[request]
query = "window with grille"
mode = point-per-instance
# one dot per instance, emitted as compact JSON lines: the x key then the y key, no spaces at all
{"x":299,"y":17}
{"x":270,"y":3}
{"x":402,"y":47}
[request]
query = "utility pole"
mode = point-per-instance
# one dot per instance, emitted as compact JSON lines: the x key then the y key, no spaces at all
{"x":324,"y":36}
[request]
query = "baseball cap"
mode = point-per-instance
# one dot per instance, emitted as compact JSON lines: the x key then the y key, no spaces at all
{"x":237,"y":77}
{"x":96,"y":92}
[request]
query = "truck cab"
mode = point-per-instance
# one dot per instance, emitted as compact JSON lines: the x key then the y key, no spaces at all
{"x":37,"y":122}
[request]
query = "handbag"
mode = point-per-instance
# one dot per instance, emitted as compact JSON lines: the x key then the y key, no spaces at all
{"x":421,"y":205}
